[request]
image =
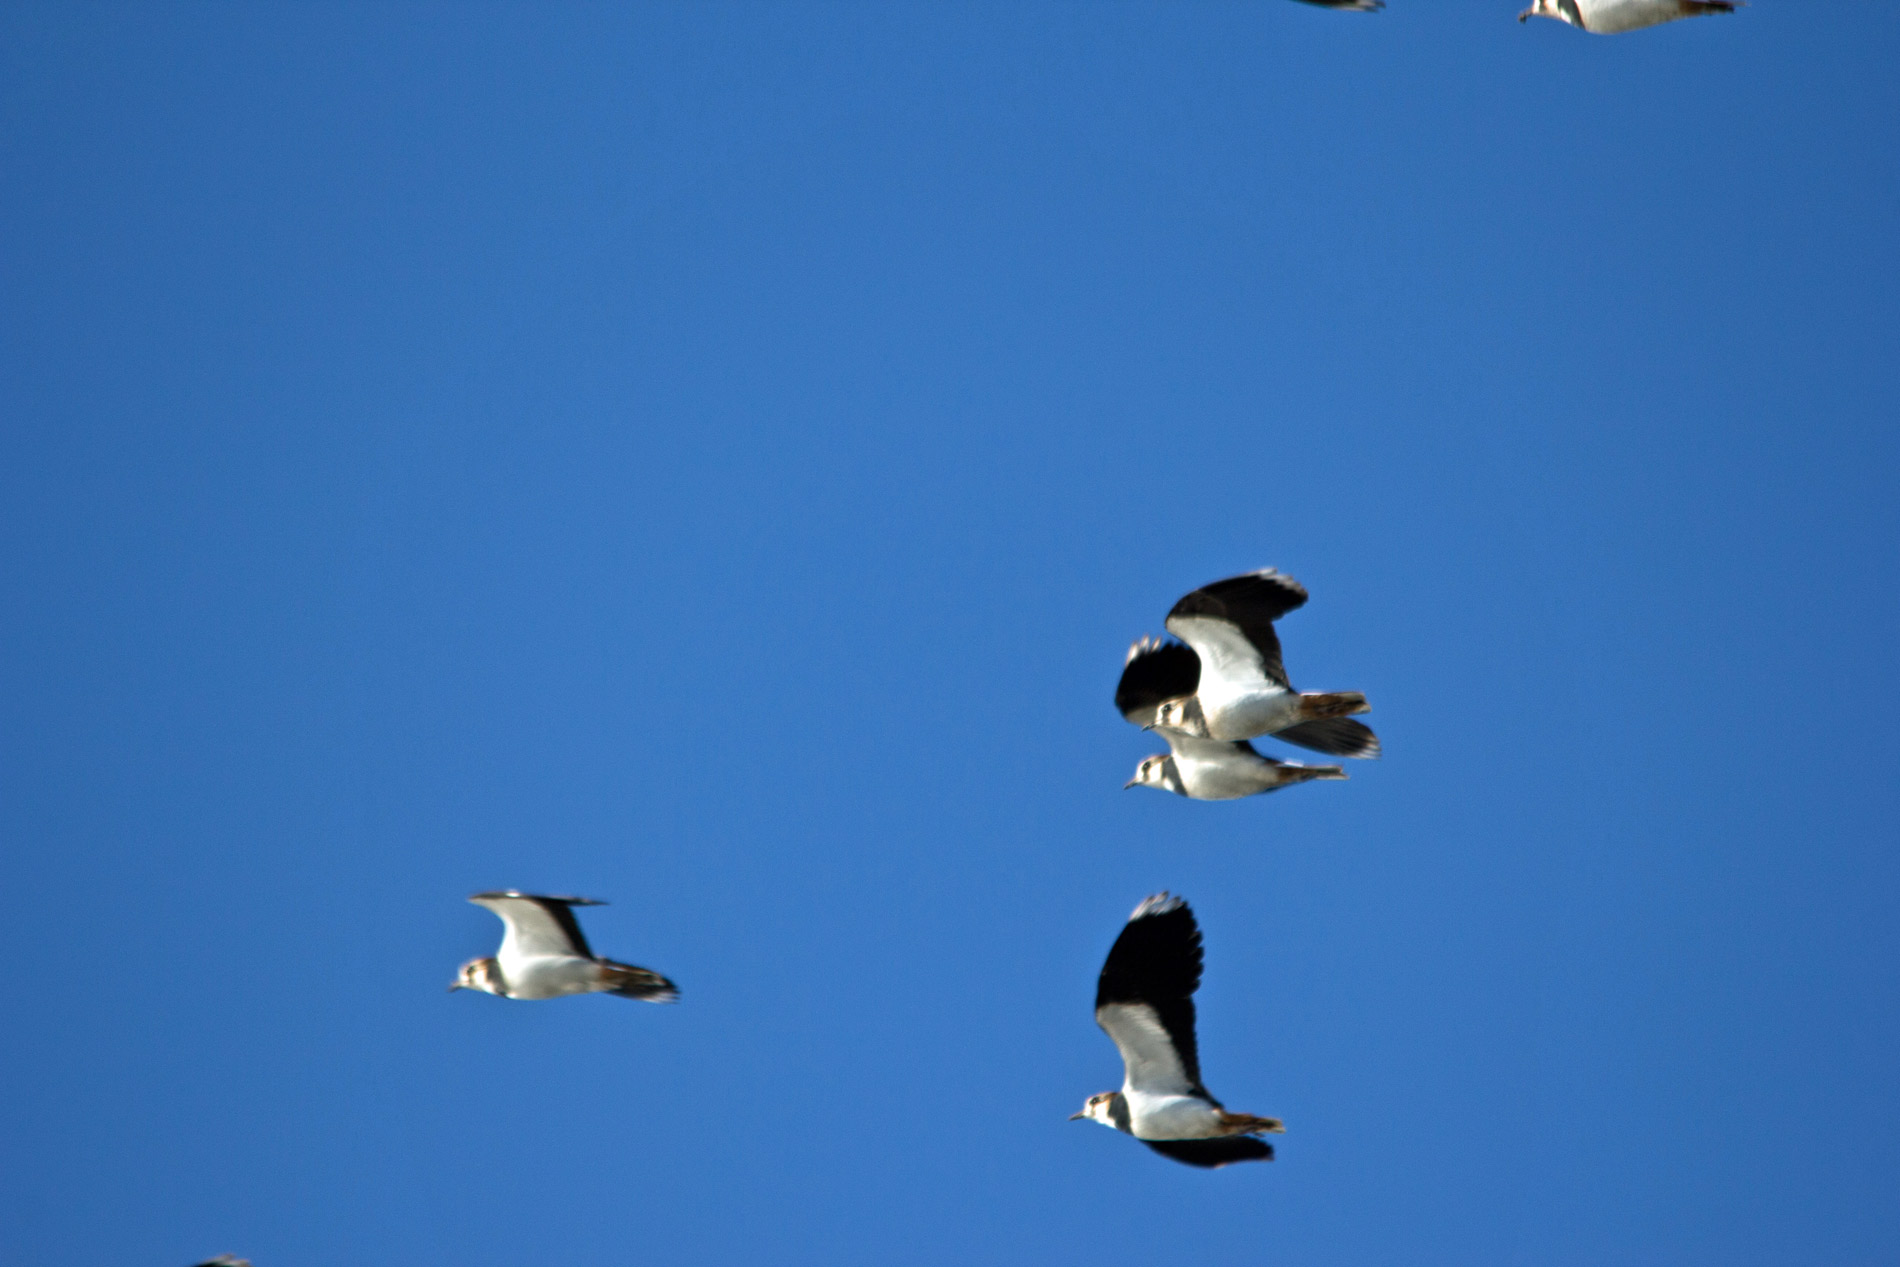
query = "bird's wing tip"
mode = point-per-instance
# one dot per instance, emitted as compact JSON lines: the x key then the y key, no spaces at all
{"x":1158,"y":904}
{"x":565,"y":899}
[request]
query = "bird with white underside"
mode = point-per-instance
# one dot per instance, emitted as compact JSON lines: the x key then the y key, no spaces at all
{"x":1613,"y":17}
{"x":544,"y":955}
{"x":1226,"y":680}
{"x":1145,"y":1002}
{"x":1202,"y":769}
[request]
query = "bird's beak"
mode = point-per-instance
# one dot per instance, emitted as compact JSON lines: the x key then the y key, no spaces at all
{"x":454,"y":986}
{"x":1130,"y":784}
{"x":1076,"y":1117}
{"x":1526,"y":15}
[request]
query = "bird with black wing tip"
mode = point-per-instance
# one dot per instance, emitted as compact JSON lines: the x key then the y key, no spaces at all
{"x":1144,"y":1000}
{"x":1225,"y":683}
{"x":544,"y":955}
{"x":1200,"y":769}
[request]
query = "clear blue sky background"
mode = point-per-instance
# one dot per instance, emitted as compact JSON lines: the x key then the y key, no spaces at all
{"x":712,"y":457}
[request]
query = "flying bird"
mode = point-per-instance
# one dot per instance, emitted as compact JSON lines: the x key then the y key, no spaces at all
{"x":1611,"y":17}
{"x":1214,"y":770}
{"x":1145,"y":1002}
{"x":1227,"y":682}
{"x":544,"y":955}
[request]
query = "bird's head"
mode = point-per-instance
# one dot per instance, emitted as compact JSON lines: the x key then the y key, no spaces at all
{"x":1183,"y":715}
{"x":479,"y":974}
{"x":1100,"y":1108}
{"x":1549,"y":9}
{"x":1157,"y":771}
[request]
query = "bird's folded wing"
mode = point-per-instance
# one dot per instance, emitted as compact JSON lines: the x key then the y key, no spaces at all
{"x":1156,"y":673}
{"x":1213,"y":1153}
{"x":538,"y":926}
{"x":1151,"y":1055}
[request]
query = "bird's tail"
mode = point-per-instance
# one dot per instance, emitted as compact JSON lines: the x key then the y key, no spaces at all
{"x":1335,"y":736}
{"x":630,"y":982}
{"x":1691,"y":8}
{"x":1248,"y":1124}
{"x":1336,"y":704}
{"x":1306,"y":773}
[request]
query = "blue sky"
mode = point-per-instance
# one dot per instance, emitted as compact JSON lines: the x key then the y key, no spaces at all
{"x":712,"y":457}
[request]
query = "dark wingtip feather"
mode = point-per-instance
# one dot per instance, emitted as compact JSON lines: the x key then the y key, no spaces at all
{"x":1156,"y":672}
{"x":1263,"y":596}
{"x":1212,"y":1154}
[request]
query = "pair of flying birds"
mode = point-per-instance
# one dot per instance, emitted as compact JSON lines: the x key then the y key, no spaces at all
{"x":1222,"y":684}
{"x":1225,"y":683}
{"x":1599,"y":17}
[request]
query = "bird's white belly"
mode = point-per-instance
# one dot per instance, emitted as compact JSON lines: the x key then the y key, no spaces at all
{"x":1171,"y":1117}
{"x":1219,"y":780}
{"x":1612,"y":17}
{"x":550,"y":977}
{"x":1249,"y":715}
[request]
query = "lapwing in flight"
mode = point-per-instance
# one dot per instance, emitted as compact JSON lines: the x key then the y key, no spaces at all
{"x":1225,"y":680}
{"x":1612,"y":17}
{"x":1205,"y":769}
{"x":544,"y":955}
{"x":1145,"y":1002}
{"x":1214,"y":770}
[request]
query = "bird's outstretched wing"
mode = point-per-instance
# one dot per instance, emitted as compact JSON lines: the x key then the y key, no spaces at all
{"x":1211,"y":1154}
{"x":1229,"y":624}
{"x":538,"y":924}
{"x":1144,"y":999}
{"x":1156,"y":672}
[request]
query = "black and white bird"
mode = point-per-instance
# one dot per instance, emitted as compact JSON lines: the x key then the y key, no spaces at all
{"x":544,"y":955}
{"x":1612,"y":17}
{"x":1212,"y":769}
{"x":1227,"y":682}
{"x":1215,"y":770}
{"x":1145,"y":1002}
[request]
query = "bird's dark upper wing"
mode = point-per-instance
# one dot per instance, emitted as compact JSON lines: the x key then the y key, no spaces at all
{"x":1213,"y":1153}
{"x":1145,"y":996}
{"x":1156,"y":673}
{"x":1249,"y":603}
